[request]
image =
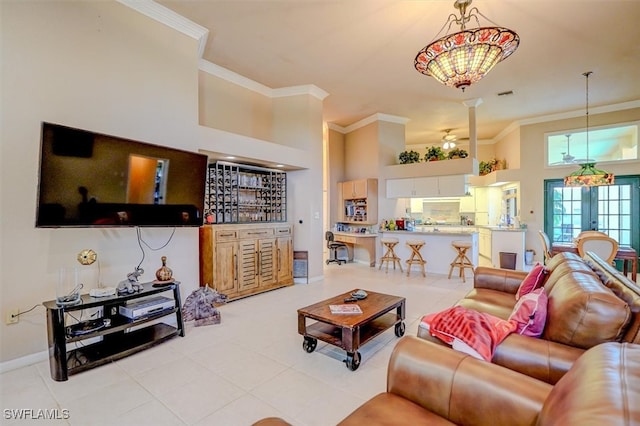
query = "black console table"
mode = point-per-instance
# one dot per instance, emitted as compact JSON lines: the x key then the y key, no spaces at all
{"x":117,"y":340}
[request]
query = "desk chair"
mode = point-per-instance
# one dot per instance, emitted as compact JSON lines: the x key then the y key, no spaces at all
{"x":334,"y":247}
{"x":546,"y":247}
{"x":602,"y":245}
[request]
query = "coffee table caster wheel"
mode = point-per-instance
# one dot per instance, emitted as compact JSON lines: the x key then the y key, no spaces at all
{"x":353,"y":360}
{"x":400,"y":327}
{"x":309,"y":344}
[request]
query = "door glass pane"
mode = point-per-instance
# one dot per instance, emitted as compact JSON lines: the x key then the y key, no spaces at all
{"x":614,"y":212}
{"x":567,"y":213}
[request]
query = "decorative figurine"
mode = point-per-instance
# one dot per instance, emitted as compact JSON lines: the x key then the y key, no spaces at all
{"x":165,"y":273}
{"x":131,"y":284}
{"x":200,"y":306}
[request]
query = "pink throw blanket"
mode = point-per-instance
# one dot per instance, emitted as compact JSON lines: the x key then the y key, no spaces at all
{"x":480,"y":331}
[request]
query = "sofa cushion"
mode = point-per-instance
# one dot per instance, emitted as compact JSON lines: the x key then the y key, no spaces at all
{"x":602,"y":388}
{"x":582,"y":312}
{"x":391,"y":409}
{"x":494,"y":302}
{"x":533,"y":280}
{"x":530,"y":313}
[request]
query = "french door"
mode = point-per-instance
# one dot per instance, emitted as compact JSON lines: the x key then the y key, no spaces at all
{"x":613,"y":209}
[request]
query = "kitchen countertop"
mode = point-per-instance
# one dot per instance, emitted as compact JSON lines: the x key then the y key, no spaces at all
{"x":439,"y":231}
{"x":457,"y":229}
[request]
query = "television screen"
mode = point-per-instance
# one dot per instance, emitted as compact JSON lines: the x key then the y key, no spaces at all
{"x":89,"y":179}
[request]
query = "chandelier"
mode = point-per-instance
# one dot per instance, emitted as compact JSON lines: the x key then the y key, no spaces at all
{"x":588,"y":174}
{"x":463,"y":58}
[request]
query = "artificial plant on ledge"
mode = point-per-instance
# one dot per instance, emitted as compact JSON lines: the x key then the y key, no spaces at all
{"x":434,"y":153}
{"x":408,"y":157}
{"x":457,"y":153}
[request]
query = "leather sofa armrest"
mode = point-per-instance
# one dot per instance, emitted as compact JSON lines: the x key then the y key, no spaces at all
{"x":542,"y":359}
{"x":461,"y":388}
{"x":506,"y":280}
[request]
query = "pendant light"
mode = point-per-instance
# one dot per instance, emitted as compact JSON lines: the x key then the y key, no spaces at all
{"x":463,"y":58}
{"x":588,"y":175}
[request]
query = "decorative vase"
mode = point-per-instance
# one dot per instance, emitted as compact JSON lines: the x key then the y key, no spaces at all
{"x":164,"y":273}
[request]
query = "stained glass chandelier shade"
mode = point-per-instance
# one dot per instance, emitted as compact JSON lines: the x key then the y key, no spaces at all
{"x":588,"y":174}
{"x":463,"y":58}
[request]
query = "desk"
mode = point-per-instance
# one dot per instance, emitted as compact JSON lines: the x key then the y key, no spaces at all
{"x":351,"y":239}
{"x":625,"y":253}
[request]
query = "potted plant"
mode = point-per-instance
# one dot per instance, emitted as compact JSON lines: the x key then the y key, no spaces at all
{"x":408,"y":157}
{"x":457,"y":153}
{"x":484,"y":168}
{"x":434,"y":153}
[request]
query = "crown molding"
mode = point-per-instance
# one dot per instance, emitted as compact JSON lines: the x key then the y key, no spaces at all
{"x":233,"y":77}
{"x":171,"y":19}
{"x":247,"y":83}
{"x":307,"y":89}
{"x":368,"y":120}
{"x":580,"y":113}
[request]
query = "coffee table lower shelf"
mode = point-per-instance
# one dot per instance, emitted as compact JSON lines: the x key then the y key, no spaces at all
{"x":333,"y":334}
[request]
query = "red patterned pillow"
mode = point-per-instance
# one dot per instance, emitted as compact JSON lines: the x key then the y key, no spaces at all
{"x":530,"y":313}
{"x":468,"y":331}
{"x":533,"y":280}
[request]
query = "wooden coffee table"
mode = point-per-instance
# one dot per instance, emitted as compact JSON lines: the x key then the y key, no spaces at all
{"x":349,"y":332}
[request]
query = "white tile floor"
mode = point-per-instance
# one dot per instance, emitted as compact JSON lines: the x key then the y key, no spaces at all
{"x":250,"y":366}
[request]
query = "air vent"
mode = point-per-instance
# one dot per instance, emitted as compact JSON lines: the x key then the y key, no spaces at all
{"x":508,"y":92}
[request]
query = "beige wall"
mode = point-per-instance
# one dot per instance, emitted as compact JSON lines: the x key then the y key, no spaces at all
{"x":361,"y":152}
{"x":298,"y":124}
{"x":98,"y":66}
{"x":227,"y":106}
{"x":508,"y":149}
{"x":103,"y":67}
{"x":336,"y":160}
{"x":532,"y":152}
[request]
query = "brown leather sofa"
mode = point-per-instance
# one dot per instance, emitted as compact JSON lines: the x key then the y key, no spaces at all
{"x":589,"y":303}
{"x":429,"y":384}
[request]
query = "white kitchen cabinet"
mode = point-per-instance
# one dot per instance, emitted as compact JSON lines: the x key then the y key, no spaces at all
{"x":484,"y":242}
{"x":482,"y":199}
{"x":452,"y":186}
{"x":425,"y":187}
{"x":412,"y":187}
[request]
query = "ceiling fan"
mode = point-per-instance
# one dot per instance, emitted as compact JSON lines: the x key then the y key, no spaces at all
{"x":567,"y":158}
{"x":449,"y":140}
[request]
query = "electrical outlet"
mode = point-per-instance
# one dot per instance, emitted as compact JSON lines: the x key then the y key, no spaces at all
{"x":12,"y":316}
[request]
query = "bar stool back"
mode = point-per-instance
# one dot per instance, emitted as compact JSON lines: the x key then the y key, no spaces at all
{"x":416,"y":258}
{"x":390,"y":255}
{"x":461,"y":261}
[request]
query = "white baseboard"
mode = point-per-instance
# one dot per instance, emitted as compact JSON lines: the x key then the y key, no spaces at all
{"x":24,"y":361}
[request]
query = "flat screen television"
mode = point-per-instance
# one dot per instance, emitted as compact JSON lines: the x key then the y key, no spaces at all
{"x":89,"y":179}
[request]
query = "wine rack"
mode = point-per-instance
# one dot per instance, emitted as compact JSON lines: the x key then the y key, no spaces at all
{"x":237,"y":193}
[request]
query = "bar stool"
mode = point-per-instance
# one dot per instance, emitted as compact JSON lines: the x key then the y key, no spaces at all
{"x":416,"y":257}
{"x":390,"y":255}
{"x":461,"y":261}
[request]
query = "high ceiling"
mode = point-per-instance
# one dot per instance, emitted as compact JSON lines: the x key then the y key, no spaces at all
{"x":361,"y":52}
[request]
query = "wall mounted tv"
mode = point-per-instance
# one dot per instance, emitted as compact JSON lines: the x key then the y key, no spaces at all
{"x":89,"y":179}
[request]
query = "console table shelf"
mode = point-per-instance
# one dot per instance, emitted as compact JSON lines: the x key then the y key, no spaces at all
{"x":117,"y":339}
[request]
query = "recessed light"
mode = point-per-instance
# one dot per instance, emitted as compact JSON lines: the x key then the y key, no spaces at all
{"x":230,"y":157}
{"x":280,"y":165}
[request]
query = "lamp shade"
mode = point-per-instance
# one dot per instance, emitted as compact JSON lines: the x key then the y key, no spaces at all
{"x":588,"y":175}
{"x":463,"y":58}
